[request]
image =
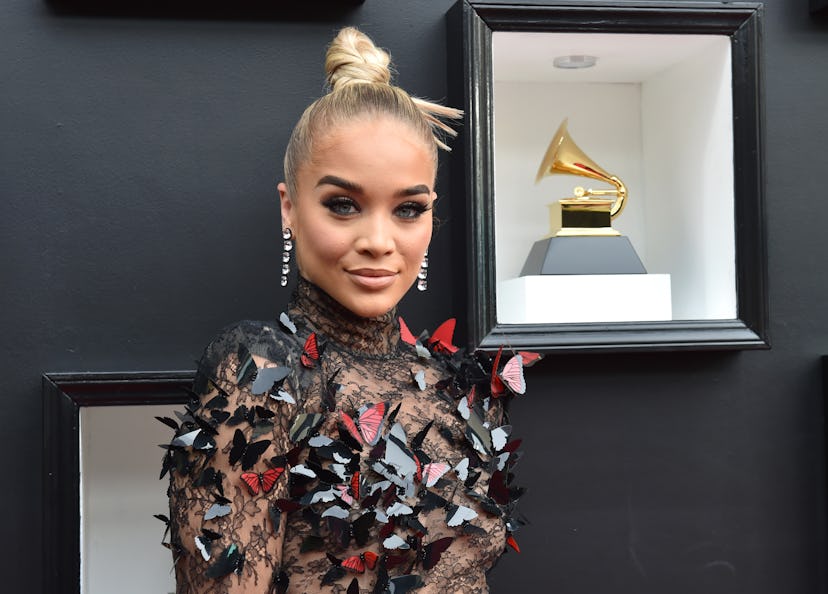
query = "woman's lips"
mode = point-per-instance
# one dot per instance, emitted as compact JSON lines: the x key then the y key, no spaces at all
{"x":372,"y":278}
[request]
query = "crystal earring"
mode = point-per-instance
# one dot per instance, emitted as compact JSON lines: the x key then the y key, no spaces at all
{"x":422,"y":276}
{"x":287,"y":247}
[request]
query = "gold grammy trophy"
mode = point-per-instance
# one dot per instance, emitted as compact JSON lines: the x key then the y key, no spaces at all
{"x":581,"y":238}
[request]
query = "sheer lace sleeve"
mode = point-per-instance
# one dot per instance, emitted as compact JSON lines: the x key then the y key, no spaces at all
{"x":226,"y":466}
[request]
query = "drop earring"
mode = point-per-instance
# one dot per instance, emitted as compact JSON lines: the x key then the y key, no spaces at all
{"x":287,"y":247}
{"x":422,"y":276}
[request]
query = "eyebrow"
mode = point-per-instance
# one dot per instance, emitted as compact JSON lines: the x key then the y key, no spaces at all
{"x":339,"y":182}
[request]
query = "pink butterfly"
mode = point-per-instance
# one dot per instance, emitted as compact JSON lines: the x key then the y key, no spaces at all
{"x":433,"y":471}
{"x":366,"y":429}
{"x":512,"y":375}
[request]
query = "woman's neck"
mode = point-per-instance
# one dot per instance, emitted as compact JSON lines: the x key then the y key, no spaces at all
{"x":332,"y":321}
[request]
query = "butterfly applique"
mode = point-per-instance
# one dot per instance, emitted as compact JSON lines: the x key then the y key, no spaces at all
{"x":368,"y":425}
{"x":433,"y":472}
{"x":459,"y":514}
{"x":512,"y":375}
{"x":354,"y":564}
{"x":286,"y":323}
{"x":405,"y":334}
{"x":310,"y":352}
{"x":426,"y":555}
{"x":277,"y":508}
{"x":496,"y":385}
{"x":408,"y":337}
{"x":429,"y":555}
{"x":398,"y":585}
{"x":418,"y":377}
{"x":351,"y":492}
{"x":248,"y":453}
{"x":304,"y":426}
{"x":204,"y":542}
{"x":441,"y":338}
{"x":261,"y":481}
{"x":219,"y":509}
{"x":230,"y":561}
{"x":330,"y":391}
{"x":343,"y":530}
{"x":264,"y":379}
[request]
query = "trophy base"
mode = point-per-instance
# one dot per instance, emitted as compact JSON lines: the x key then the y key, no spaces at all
{"x":584,"y":299}
{"x":583,"y":255}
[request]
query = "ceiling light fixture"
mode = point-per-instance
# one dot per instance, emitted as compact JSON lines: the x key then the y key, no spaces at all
{"x":574,"y":61}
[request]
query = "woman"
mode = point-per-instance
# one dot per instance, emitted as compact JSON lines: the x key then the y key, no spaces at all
{"x":332,"y":451}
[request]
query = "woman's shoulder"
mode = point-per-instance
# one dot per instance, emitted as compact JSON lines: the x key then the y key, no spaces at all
{"x":265,"y":339}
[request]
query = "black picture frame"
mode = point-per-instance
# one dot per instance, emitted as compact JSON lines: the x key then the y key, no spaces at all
{"x":471,"y":25}
{"x":63,"y":396}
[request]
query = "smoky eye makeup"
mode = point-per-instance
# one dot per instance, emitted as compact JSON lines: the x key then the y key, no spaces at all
{"x":341,"y":205}
{"x":412,"y":209}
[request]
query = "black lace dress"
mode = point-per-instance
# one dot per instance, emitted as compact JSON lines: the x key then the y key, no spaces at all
{"x":361,"y":463}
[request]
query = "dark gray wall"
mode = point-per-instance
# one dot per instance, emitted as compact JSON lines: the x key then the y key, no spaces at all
{"x":138,"y":163}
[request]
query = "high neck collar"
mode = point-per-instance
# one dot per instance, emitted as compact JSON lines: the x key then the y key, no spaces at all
{"x":332,"y":321}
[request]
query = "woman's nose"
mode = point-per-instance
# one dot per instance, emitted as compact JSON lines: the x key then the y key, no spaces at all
{"x":376,"y":235}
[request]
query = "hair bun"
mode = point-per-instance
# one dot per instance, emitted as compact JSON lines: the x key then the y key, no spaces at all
{"x":353,"y":58}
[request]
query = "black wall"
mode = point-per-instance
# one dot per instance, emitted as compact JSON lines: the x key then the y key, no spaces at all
{"x":139,"y":155}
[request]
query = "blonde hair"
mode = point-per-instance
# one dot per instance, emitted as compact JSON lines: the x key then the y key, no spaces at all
{"x":358,"y":74}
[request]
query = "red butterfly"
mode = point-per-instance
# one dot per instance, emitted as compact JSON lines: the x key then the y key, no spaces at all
{"x":406,"y":334}
{"x":471,"y":396}
{"x":355,"y":485}
{"x":497,"y":387}
{"x":310,"y":352}
{"x":350,"y":493}
{"x":264,"y":480}
{"x":367,"y":428}
{"x":358,"y":563}
{"x":442,"y":337}
{"x":530,"y":358}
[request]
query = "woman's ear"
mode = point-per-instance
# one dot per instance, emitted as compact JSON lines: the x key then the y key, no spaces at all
{"x":286,"y":205}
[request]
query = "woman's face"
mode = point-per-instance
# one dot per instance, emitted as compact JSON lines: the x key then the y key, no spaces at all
{"x":362,"y":215}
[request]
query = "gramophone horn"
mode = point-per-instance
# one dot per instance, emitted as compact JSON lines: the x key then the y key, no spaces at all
{"x":564,"y":156}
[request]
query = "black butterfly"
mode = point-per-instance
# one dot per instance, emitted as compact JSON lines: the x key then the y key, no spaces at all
{"x":429,"y":555}
{"x":248,"y":453}
{"x":329,"y":394}
{"x":210,"y":477}
{"x":204,"y":542}
{"x":247,"y":366}
{"x":304,"y":426}
{"x":230,"y":561}
{"x":281,"y":581}
{"x":166,"y":521}
{"x":168,"y":422}
{"x":239,"y":415}
{"x":343,"y":530}
{"x":397,"y":585}
{"x":218,"y":401}
{"x":276,"y":508}
{"x":219,"y":416}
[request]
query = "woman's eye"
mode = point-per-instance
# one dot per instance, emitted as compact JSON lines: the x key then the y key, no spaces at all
{"x":340,"y":205}
{"x":411,"y":210}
